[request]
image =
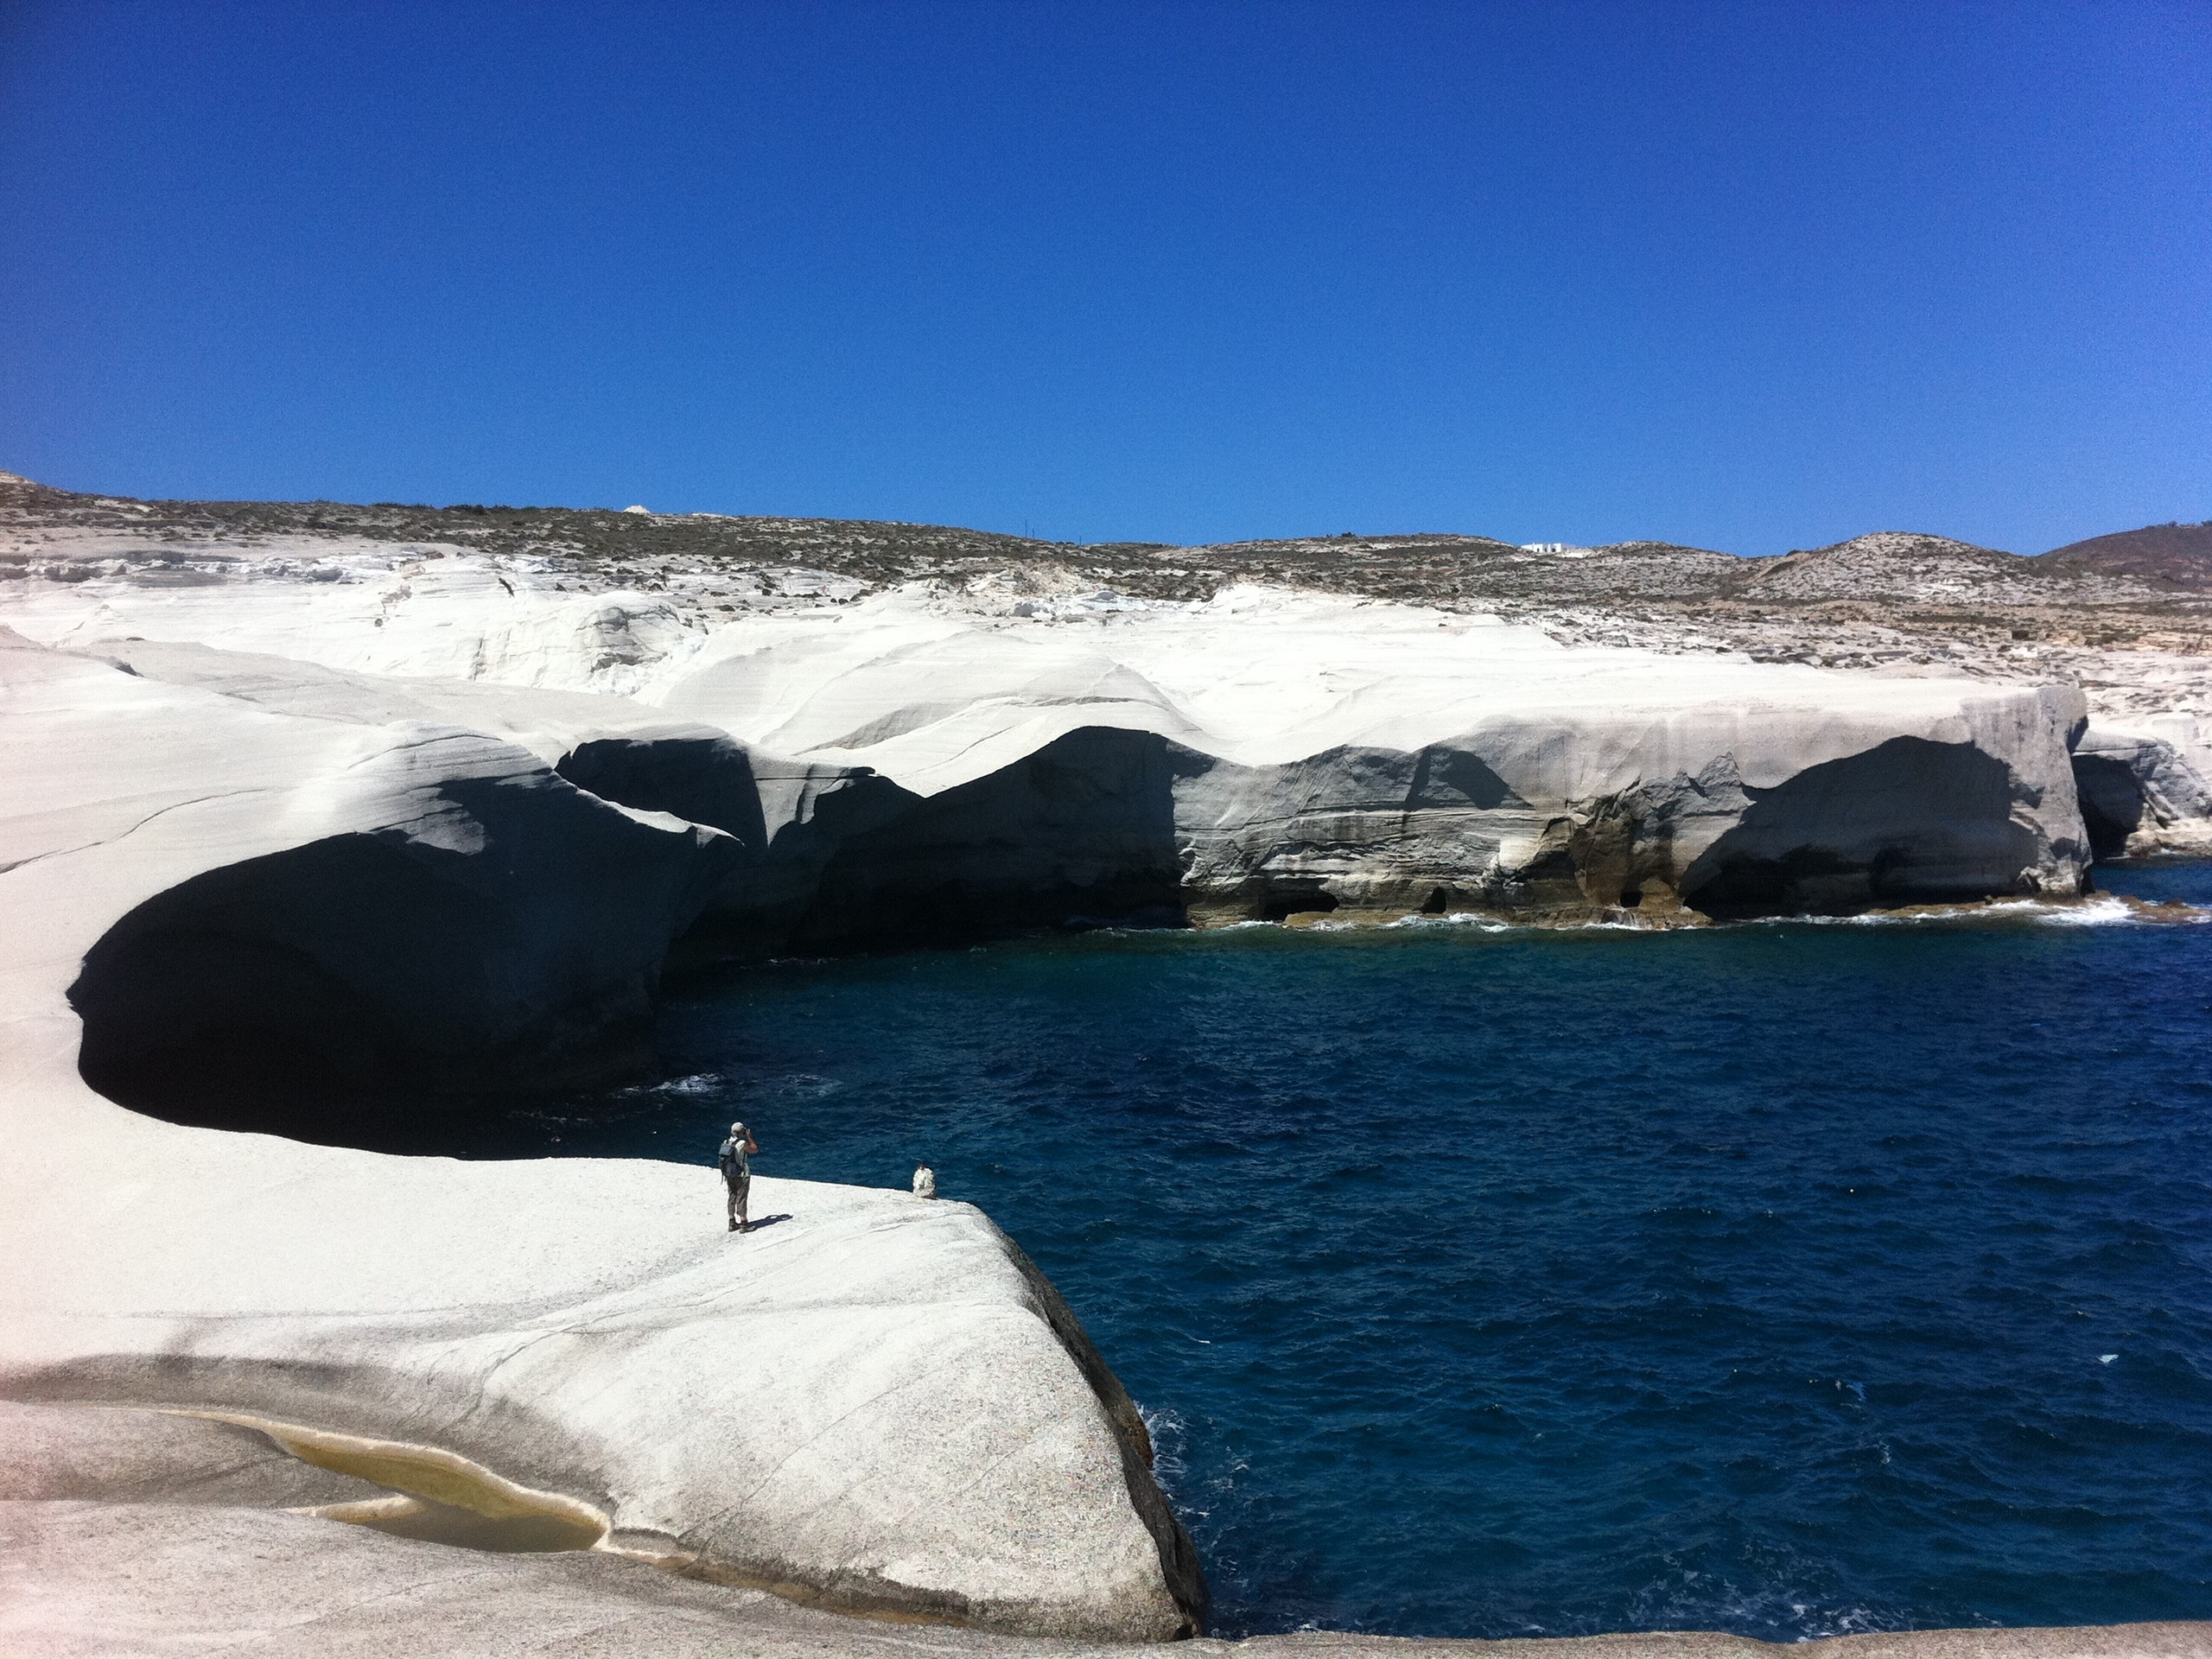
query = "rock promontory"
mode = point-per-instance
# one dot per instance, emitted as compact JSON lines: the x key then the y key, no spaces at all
{"x":308,"y":819}
{"x":236,"y":890}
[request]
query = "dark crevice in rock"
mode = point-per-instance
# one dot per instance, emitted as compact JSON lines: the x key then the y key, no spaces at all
{"x":707,"y":780}
{"x":1084,"y":827}
{"x":1909,"y":821}
{"x":1080,"y":833}
{"x":369,"y":984}
{"x":2111,"y":802}
{"x":1278,"y":900}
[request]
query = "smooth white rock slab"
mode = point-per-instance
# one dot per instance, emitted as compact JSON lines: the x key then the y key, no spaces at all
{"x":205,"y":1580}
{"x":1299,"y":694}
{"x":875,"y":1402}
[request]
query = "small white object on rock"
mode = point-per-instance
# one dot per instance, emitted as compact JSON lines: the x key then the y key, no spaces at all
{"x":646,"y":511}
{"x":924,"y":1181}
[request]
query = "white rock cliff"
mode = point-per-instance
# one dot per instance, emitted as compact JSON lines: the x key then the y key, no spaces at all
{"x":404,"y":821}
{"x":876,"y":1405}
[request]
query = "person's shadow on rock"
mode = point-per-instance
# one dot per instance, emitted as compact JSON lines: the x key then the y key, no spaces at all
{"x":766,"y":1221}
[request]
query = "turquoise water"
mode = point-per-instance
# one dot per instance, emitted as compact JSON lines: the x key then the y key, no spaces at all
{"x":1785,"y":1278}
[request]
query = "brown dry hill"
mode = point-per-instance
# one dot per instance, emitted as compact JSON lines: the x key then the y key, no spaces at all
{"x":2164,"y":556}
{"x":2150,"y":587}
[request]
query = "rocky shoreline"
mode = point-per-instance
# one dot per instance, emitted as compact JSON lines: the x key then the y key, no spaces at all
{"x":278,"y":1586}
{"x":299,"y":815}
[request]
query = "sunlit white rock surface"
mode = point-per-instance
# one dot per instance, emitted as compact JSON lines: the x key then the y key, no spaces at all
{"x":402,"y":813}
{"x":874,"y":1402}
{"x":1377,"y":754}
{"x":1282,"y":750}
{"x":203,"y":1579}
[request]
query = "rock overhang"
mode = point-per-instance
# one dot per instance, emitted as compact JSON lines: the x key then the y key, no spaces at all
{"x":1505,"y":768}
{"x":536,"y":1316}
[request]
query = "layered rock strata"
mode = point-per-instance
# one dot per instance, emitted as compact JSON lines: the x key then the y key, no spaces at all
{"x":2124,"y":617}
{"x":906,"y":765}
{"x":2147,"y":788}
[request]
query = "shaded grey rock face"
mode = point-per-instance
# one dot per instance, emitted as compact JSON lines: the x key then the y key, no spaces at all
{"x":1106,"y":824}
{"x":1907,"y":822}
{"x":1082,"y":829}
{"x":1085,"y":827}
{"x":703,"y":777}
{"x":2111,"y":798}
{"x":1903,"y":821}
{"x":1109,"y":824}
{"x":2143,"y":794}
{"x":514,"y":946}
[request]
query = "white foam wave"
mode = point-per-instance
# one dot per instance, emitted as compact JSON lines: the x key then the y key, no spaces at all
{"x":1169,"y":1436}
{"x":1482,"y":922}
{"x":2100,"y":910}
{"x":700,"y":1082}
{"x":2103,"y":910}
{"x":803,"y":1085}
{"x":1457,"y":918}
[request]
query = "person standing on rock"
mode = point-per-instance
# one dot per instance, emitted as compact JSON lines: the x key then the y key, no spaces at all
{"x":737,"y":1173}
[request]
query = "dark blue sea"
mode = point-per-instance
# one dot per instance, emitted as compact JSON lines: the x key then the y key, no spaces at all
{"x":1786,"y":1279}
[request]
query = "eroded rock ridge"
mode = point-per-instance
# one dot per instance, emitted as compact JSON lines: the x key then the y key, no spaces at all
{"x":313,"y":808}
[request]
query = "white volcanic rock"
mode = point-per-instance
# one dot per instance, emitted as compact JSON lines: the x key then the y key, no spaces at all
{"x":1322,"y":751}
{"x":59,"y":1454}
{"x":875,"y":1403}
{"x":423,"y":822}
{"x":373,"y":608}
{"x":1263,"y":752}
{"x":203,"y":1579}
{"x":2146,"y":785}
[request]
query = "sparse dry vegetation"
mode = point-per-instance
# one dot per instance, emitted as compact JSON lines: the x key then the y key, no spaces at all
{"x":1888,"y":600}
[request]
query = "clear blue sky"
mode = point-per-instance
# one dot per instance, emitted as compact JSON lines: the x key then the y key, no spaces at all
{"x":1751,"y":277}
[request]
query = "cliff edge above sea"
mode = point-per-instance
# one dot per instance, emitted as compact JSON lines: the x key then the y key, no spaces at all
{"x":312,"y":807}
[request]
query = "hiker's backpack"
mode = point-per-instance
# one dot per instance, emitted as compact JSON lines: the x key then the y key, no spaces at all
{"x":730,"y":1165}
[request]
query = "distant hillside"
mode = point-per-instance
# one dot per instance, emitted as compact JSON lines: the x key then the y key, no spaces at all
{"x":1846,"y":602}
{"x":1890,"y":564}
{"x":2166,"y":556}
